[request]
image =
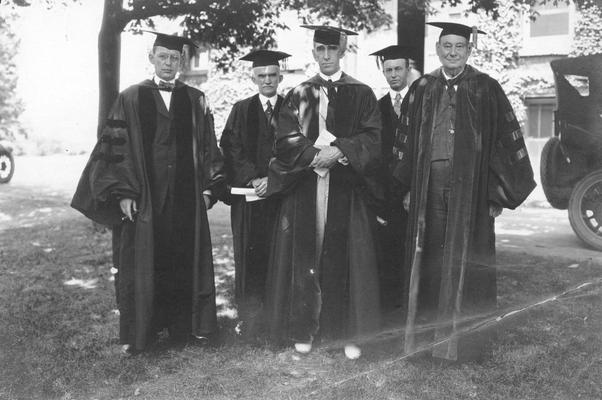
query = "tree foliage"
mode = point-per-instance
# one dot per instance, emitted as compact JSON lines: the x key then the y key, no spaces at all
{"x":493,"y":7}
{"x":497,"y":52}
{"x":227,"y":25}
{"x":10,"y":105}
{"x":231,"y":25}
{"x":588,"y":30}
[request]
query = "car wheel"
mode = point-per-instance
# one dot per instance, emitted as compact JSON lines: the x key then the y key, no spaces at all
{"x":7,"y":166}
{"x":585,"y":209}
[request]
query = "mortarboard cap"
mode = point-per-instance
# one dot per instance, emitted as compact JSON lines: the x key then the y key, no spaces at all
{"x":395,"y":52}
{"x":171,"y":42}
{"x":262,"y":58}
{"x":453,"y":28}
{"x":328,"y":34}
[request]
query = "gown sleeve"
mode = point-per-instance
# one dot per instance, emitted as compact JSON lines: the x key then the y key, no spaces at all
{"x":510,"y":172}
{"x":109,"y":175}
{"x":239,"y":169}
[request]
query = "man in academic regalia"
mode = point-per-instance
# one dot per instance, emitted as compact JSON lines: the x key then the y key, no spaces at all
{"x":395,"y":65}
{"x":152,"y":176}
{"x":247,"y":142}
{"x":323,"y":269}
{"x":461,"y":158}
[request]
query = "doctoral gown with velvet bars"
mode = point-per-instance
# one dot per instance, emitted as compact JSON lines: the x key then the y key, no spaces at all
{"x":129,"y":162}
{"x":247,"y":142}
{"x":490,"y":166}
{"x":334,"y":293}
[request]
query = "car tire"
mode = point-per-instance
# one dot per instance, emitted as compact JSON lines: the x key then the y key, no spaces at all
{"x":7,"y":165}
{"x":552,"y":168}
{"x":585,"y":209}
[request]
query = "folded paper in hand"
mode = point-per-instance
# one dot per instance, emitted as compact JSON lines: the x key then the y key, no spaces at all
{"x":324,"y":140}
{"x":249,"y":193}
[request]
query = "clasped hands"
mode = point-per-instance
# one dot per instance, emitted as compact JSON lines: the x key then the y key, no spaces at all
{"x":260,"y":185}
{"x":327,"y":157}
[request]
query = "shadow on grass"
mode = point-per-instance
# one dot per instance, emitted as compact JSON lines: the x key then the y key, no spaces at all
{"x":60,"y":341}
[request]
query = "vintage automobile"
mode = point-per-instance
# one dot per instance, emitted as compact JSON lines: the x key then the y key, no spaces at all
{"x":7,"y":164}
{"x":571,"y":161}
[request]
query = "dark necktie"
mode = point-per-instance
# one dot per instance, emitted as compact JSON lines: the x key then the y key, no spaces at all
{"x":332,"y":103}
{"x":451,"y":90}
{"x":165,"y":86}
{"x":397,"y":104}
{"x":268,"y":110}
{"x":451,"y":83}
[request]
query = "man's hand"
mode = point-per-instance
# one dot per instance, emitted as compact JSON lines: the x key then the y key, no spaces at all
{"x":495,"y":211}
{"x":260,"y":185}
{"x":128,"y":208}
{"x":327,"y":157}
{"x":406,"y":202}
{"x":207,"y":199}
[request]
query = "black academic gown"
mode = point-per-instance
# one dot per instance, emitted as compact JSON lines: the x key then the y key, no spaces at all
{"x":247,"y":142}
{"x":391,"y":230}
{"x":334,"y":293}
{"x":164,"y":160}
{"x":490,"y":165}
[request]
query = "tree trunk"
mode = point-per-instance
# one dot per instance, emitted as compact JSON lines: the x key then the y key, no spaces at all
{"x":411,"y":29}
{"x":109,"y":57}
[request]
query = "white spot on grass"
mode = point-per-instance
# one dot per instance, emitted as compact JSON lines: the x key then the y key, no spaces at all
{"x":573,"y":266}
{"x":83,"y":283}
{"x":221,"y":300}
{"x":5,"y":217}
{"x":48,"y":250}
{"x":229,"y":313}
{"x":223,"y":260}
{"x":509,"y":245}
{"x":516,"y":232}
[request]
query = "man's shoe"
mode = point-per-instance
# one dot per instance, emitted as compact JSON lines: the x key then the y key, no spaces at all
{"x":303,"y":348}
{"x":352,"y":351}
{"x":201,"y":341}
{"x":129,"y":351}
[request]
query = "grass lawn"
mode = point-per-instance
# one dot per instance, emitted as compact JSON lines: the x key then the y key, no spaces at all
{"x":58,"y":331}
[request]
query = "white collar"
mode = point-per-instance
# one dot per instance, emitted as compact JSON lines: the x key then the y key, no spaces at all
{"x":402,"y":92}
{"x":447,"y":77}
{"x":156,"y":79}
{"x":334,"y":77}
{"x":263,"y":99}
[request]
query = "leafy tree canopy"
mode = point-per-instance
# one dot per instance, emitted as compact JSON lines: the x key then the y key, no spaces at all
{"x":233,"y":25}
{"x":588,"y":30}
{"x":10,"y":105}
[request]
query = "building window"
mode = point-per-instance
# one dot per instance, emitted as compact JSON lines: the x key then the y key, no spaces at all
{"x":540,"y":119}
{"x":200,"y":61}
{"x":550,"y":20}
{"x":550,"y":25}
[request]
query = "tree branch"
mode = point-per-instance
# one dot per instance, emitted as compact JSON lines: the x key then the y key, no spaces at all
{"x":144,"y":11}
